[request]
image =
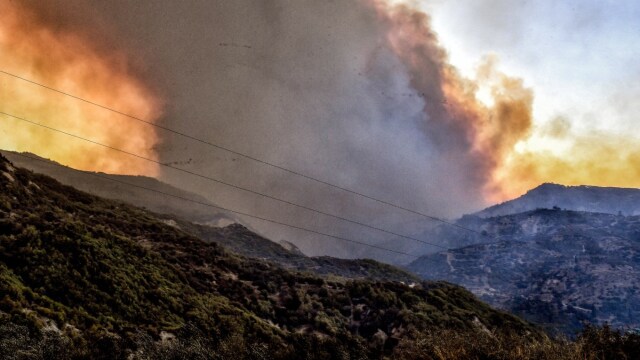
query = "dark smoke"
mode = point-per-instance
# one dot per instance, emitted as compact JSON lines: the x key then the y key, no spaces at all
{"x":310,"y":85}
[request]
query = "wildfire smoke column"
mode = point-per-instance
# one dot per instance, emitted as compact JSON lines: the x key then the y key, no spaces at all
{"x":35,"y":45}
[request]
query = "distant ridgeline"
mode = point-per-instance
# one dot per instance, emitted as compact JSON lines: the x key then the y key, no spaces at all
{"x":607,"y":200}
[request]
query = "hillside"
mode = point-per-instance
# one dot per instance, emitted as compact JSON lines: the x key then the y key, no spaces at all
{"x":553,"y":267}
{"x":607,"y":200}
{"x":243,"y":241}
{"x":104,"y":278}
{"x":200,"y":220}
{"x":112,"y":187}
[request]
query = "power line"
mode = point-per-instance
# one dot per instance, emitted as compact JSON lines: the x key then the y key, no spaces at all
{"x":224,"y":209}
{"x":264,"y":162}
{"x":219,"y":181}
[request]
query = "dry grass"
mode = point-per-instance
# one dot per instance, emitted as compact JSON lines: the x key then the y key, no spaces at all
{"x":593,"y":344}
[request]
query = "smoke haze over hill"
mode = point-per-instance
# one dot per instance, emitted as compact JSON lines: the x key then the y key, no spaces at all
{"x":358,"y":93}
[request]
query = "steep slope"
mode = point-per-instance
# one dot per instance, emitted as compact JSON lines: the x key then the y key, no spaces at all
{"x":116,"y":190}
{"x":104,"y":273}
{"x":616,"y":201}
{"x":243,"y":241}
{"x":578,"y":198}
{"x":184,"y":214}
{"x":553,"y":267}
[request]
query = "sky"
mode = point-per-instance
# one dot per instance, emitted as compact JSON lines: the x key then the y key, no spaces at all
{"x":443,"y":106}
{"x":580,"y":57}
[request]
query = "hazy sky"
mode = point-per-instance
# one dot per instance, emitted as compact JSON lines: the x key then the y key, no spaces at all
{"x":582,"y":58}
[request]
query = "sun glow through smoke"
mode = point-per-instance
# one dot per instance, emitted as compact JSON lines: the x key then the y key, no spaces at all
{"x":484,"y":120}
{"x":68,"y":61}
{"x":493,"y":112}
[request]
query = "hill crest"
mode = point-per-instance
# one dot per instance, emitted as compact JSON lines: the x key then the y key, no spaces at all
{"x":609,"y":200}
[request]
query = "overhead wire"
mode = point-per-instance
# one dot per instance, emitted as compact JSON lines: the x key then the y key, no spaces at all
{"x":246,"y":156}
{"x":224,"y":208}
{"x":199,"y":175}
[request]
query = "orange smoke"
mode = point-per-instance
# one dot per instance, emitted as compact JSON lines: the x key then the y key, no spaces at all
{"x":482,"y":135}
{"x":492,"y":139}
{"x":66,"y":60}
{"x":594,"y":159}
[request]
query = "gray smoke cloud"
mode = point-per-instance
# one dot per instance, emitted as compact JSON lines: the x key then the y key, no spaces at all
{"x":309,"y":85}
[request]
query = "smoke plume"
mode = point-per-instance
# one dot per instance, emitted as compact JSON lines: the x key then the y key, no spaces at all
{"x":357,"y":93}
{"x":38,"y":44}
{"x":477,"y":137}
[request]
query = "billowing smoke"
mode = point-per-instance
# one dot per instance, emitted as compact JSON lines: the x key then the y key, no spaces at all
{"x":474,"y":136}
{"x":494,"y":142}
{"x":38,"y":44}
{"x":358,"y":93}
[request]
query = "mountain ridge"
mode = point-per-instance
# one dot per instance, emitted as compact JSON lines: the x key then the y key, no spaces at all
{"x":113,"y":187}
{"x":610,"y":200}
{"x":554,"y":267}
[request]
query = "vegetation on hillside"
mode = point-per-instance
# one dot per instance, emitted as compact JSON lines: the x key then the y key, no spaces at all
{"x":86,"y":278}
{"x":190,"y":214}
{"x":243,"y":241}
